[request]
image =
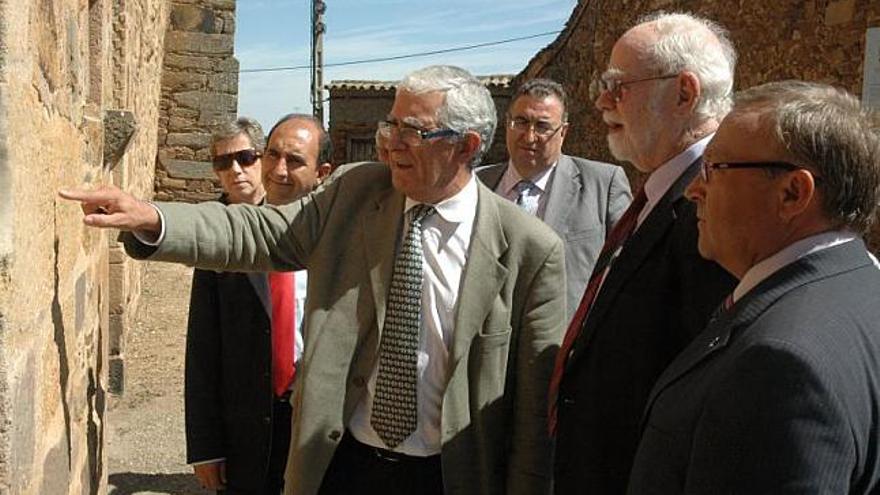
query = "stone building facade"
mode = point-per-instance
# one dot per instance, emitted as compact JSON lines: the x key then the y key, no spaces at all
{"x":79,"y":93}
{"x":84,"y":103}
{"x":356,"y":107}
{"x":199,"y":90}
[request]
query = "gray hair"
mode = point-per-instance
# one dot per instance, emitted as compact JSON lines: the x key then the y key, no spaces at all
{"x":826,"y":130}
{"x":246,"y":125}
{"x":682,"y":45}
{"x":541,"y":88}
{"x":468,"y":106}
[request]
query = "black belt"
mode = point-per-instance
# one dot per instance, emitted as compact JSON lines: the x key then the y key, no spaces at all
{"x":285,"y":397}
{"x":384,"y":455}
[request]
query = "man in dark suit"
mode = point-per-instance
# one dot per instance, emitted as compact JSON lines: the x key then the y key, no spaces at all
{"x":580,"y":199}
{"x":435,"y":307}
{"x":237,"y":424}
{"x":668,"y":83}
{"x":780,"y":393}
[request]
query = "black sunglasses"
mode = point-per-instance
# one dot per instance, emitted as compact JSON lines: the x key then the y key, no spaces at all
{"x":707,"y":167}
{"x":245,"y":158}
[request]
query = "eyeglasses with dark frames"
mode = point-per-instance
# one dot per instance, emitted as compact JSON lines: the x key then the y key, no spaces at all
{"x":615,"y":86}
{"x":707,"y":167}
{"x":412,"y":136}
{"x":245,"y":158}
{"x":543,"y":130}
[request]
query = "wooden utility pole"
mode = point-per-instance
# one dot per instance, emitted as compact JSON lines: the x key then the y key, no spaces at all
{"x":318,"y":28}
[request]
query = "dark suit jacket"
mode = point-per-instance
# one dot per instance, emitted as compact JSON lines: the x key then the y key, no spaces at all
{"x":585,"y":200}
{"x":657,"y":296}
{"x":508,"y":323}
{"x":228,"y":389}
{"x":780,"y":395}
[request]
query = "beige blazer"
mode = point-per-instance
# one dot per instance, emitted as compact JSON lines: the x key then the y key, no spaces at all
{"x":509,"y":323}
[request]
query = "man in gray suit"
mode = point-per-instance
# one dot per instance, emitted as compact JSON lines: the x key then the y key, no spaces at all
{"x":434,"y":313}
{"x":580,"y":199}
{"x":779,"y":394}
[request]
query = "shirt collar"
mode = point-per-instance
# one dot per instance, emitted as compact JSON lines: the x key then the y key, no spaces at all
{"x":787,"y":255}
{"x":664,"y":176}
{"x":512,"y":177}
{"x":456,"y":208}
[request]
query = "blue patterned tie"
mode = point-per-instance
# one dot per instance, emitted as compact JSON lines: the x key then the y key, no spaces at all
{"x":394,"y":415}
{"x":524,"y":200}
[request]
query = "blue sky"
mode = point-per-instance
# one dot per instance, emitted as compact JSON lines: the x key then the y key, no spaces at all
{"x":272,"y":33}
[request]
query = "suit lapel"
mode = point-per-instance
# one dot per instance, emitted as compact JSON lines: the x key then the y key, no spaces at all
{"x":563,"y":193}
{"x":491,"y":175}
{"x":721,"y":331}
{"x":636,"y":250}
{"x":381,"y":228}
{"x":483,"y":276}
{"x":260,"y":282}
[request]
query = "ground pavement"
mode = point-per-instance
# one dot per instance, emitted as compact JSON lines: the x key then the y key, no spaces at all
{"x":145,"y":436}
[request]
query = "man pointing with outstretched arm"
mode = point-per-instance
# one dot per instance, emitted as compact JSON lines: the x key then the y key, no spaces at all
{"x":435,"y":307}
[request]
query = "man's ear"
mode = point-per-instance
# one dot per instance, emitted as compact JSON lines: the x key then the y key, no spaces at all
{"x":689,"y":92}
{"x":324,"y":170}
{"x":797,"y":193}
{"x":470,"y":143}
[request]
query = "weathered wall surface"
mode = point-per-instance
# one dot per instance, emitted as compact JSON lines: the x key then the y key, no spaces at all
{"x":817,"y":40}
{"x":64,"y":64}
{"x":199,"y":89}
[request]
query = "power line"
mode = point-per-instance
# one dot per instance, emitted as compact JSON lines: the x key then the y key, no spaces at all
{"x":399,"y":57}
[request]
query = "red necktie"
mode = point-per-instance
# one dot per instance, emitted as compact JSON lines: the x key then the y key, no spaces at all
{"x":281,"y":286}
{"x":615,"y":240}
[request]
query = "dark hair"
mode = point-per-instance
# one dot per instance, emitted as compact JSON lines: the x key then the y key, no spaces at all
{"x":325,"y":146}
{"x":543,"y":88}
{"x":828,"y":131}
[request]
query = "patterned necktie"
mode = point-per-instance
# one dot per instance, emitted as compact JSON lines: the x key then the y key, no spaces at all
{"x":524,"y":200}
{"x":394,"y":405}
{"x":281,"y":289}
{"x":613,"y":244}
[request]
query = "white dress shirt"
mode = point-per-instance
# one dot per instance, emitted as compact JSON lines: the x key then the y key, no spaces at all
{"x":788,"y":255}
{"x":446,"y":236}
{"x":663,"y":177}
{"x":543,"y":181}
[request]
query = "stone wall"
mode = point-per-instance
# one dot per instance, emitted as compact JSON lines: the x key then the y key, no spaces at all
{"x":821,"y":40}
{"x":199,"y":89}
{"x":79,"y":92}
{"x":817,"y":40}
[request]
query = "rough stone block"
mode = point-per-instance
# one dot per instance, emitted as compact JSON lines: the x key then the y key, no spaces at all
{"x":222,"y":4}
{"x":116,"y":337}
{"x":192,"y":18}
{"x":187,"y":62}
{"x":177,"y":124}
{"x":116,"y":372}
{"x":174,"y":183}
{"x":224,"y":82}
{"x":185,"y":169}
{"x":199,"y":43}
{"x":190,"y":140}
{"x":119,"y":127}
{"x":184,"y":113}
{"x":174,"y":81}
{"x":209,"y":118}
{"x":210,"y":101}
{"x":839,"y":12}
